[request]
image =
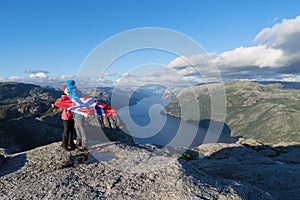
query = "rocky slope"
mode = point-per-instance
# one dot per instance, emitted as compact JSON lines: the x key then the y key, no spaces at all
{"x":28,"y":121}
{"x":20,"y":105}
{"x":24,"y":100}
{"x":262,"y":112}
{"x":243,"y":170}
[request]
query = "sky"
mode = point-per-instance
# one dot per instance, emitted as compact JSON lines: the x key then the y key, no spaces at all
{"x":47,"y":42}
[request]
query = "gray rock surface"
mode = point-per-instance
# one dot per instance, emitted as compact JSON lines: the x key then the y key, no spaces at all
{"x":274,"y":169}
{"x":113,"y":171}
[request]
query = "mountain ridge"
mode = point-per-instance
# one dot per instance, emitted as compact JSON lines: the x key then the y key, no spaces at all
{"x":258,"y":111}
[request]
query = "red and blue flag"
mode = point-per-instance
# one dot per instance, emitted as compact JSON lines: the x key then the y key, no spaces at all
{"x":86,"y":106}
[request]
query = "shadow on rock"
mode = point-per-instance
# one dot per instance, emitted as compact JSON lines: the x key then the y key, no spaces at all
{"x":210,"y":131}
{"x":28,"y":133}
{"x":12,"y":164}
{"x":103,"y":129}
{"x":271,"y":168}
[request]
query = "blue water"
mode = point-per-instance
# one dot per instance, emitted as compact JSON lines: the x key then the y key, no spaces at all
{"x":147,"y":124}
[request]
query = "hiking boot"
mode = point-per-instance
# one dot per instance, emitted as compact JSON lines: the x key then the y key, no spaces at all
{"x":81,"y":148}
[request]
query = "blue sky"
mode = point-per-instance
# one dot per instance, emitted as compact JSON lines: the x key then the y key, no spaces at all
{"x":51,"y":39}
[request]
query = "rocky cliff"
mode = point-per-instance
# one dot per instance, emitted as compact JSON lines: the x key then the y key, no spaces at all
{"x":20,"y":106}
{"x":243,"y":170}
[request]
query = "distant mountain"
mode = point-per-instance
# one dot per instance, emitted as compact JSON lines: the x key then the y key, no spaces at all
{"x":20,"y":105}
{"x":25,"y":100}
{"x":264,"y":112}
{"x":282,"y":84}
{"x":115,"y":96}
{"x":28,"y":121}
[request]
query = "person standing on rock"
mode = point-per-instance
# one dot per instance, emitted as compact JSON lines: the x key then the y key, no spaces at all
{"x":68,"y":122}
{"x":79,"y":120}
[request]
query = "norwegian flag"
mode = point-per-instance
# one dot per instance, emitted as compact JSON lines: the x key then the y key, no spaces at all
{"x":87,"y":106}
{"x":104,"y":109}
{"x":84,"y":106}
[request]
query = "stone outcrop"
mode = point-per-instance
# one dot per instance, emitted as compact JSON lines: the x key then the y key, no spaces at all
{"x":272,"y":168}
{"x":113,"y":170}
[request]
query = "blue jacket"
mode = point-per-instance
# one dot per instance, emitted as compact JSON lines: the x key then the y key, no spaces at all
{"x":73,"y":92}
{"x":71,"y":88}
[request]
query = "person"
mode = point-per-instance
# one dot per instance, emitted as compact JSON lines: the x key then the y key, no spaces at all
{"x":68,"y":122}
{"x":79,"y":120}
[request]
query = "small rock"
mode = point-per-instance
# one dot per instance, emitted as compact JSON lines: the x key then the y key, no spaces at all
{"x":249,"y":142}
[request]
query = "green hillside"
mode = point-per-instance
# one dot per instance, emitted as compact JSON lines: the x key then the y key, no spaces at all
{"x":263,"y":112}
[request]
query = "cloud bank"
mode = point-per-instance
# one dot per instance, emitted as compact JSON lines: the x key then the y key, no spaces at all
{"x":276,"y":56}
{"x":44,"y":78}
{"x":56,"y":81}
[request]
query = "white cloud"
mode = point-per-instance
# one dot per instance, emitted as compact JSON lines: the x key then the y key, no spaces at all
{"x":259,"y":56}
{"x":291,"y":79}
{"x":182,"y":61}
{"x":284,"y":36}
{"x":197,"y":68}
{"x":44,"y":79}
{"x":165,"y":76}
{"x":41,"y":79}
{"x":277,"y":52}
{"x":280,"y":33}
{"x":38,"y":75}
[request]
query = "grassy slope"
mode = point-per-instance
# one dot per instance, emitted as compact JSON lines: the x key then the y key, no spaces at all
{"x":263,"y":112}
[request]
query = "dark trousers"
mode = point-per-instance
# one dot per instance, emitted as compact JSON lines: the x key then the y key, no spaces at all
{"x":68,"y":134}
